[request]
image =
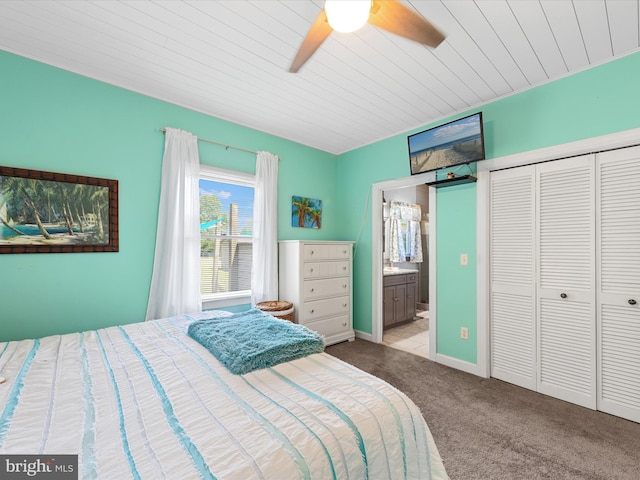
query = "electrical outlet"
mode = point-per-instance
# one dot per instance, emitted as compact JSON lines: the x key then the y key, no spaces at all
{"x":464,"y":333}
{"x":464,"y":259}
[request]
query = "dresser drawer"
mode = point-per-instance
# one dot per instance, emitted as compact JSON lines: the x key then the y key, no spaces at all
{"x":326,"y":269}
{"x":327,"y":287}
{"x":326,"y":252}
{"x":324,"y":308}
{"x":331,"y":326}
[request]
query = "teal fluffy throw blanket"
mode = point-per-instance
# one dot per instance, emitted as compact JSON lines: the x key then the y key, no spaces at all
{"x":252,"y":340}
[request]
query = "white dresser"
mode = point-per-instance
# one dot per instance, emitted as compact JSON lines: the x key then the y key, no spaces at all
{"x":316,"y":277}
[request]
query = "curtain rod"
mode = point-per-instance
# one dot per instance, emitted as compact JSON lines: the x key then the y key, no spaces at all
{"x":163,"y":130}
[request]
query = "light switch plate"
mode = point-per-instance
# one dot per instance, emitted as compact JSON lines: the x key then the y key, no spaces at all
{"x":464,"y":333}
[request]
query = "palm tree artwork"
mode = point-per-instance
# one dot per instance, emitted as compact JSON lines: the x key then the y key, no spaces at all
{"x":37,"y":211}
{"x":306,"y":212}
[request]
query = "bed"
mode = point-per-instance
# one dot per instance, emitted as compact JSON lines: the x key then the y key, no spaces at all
{"x":147,"y":401}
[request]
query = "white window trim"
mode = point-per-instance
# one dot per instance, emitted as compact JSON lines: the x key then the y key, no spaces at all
{"x":225,"y":300}
{"x":207,"y":172}
{"x":230,"y":176}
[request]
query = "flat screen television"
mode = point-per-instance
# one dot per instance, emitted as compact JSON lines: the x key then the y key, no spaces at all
{"x":454,"y":143}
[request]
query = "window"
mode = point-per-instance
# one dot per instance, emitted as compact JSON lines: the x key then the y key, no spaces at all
{"x":226,"y":234}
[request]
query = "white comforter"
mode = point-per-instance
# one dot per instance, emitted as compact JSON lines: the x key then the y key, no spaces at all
{"x":146,"y":401}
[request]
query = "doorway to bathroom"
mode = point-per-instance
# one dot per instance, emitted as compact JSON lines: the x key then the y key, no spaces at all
{"x":405,"y":269}
{"x":377,"y":265}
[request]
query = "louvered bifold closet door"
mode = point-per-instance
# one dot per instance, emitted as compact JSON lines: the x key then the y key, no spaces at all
{"x":566,"y":273}
{"x":512,"y":276}
{"x":619,"y":283}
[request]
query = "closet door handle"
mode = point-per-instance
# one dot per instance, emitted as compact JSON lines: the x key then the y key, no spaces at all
{"x":632,"y":301}
{"x":563,"y":295}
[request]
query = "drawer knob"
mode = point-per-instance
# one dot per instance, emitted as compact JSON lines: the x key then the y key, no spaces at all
{"x":312,"y":252}
{"x":311,"y":269}
{"x":344,"y":305}
{"x":344,"y":285}
{"x":563,"y":295}
{"x":312,"y":311}
{"x":344,"y":324}
{"x":344,"y":251}
{"x":632,"y":301}
{"x":344,"y":267}
{"x":313,"y":289}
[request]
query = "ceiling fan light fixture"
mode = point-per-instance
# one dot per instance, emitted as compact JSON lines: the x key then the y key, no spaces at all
{"x":347,"y":16}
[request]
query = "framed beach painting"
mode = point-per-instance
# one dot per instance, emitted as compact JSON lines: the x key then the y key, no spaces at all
{"x":306,"y":212}
{"x":46,"y":212}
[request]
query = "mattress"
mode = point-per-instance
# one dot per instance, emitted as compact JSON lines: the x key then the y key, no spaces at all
{"x":147,"y":401}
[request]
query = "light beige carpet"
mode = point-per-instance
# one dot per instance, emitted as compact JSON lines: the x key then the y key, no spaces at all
{"x":491,"y":430}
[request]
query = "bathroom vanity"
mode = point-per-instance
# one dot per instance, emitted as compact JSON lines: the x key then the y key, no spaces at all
{"x":400,"y":288}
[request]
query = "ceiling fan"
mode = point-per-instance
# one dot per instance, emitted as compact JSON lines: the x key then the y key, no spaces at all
{"x":390,"y":15}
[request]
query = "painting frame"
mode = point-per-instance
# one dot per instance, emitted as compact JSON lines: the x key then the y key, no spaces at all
{"x":22,"y":193}
{"x":306,"y":212}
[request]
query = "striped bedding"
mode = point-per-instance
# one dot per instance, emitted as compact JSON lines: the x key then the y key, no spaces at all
{"x":146,"y":401}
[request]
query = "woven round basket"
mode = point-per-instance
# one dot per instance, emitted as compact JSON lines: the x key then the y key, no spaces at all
{"x":283,"y":310}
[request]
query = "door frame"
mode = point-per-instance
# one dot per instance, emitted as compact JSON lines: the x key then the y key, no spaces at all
{"x":377,"y":190}
{"x":622,"y":139}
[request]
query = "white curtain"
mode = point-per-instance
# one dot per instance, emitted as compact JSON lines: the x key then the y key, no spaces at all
{"x":405,"y":238}
{"x":264,"y":280}
{"x":175,"y":284}
{"x":414,"y":241}
{"x":396,"y":242}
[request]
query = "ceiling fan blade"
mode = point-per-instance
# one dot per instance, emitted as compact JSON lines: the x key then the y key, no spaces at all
{"x":394,"y":17}
{"x":318,"y":32}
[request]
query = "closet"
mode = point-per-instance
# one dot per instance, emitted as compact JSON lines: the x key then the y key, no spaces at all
{"x":565,"y":279}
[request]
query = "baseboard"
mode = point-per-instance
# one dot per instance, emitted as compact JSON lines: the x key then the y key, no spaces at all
{"x":458,"y":364}
{"x":364,"y":336}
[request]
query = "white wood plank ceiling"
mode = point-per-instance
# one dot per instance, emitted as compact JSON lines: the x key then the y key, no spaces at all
{"x":230,"y":59}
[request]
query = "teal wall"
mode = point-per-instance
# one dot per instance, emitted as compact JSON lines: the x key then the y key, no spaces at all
{"x":456,"y":295}
{"x":57,"y":121}
{"x":594,"y":102}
